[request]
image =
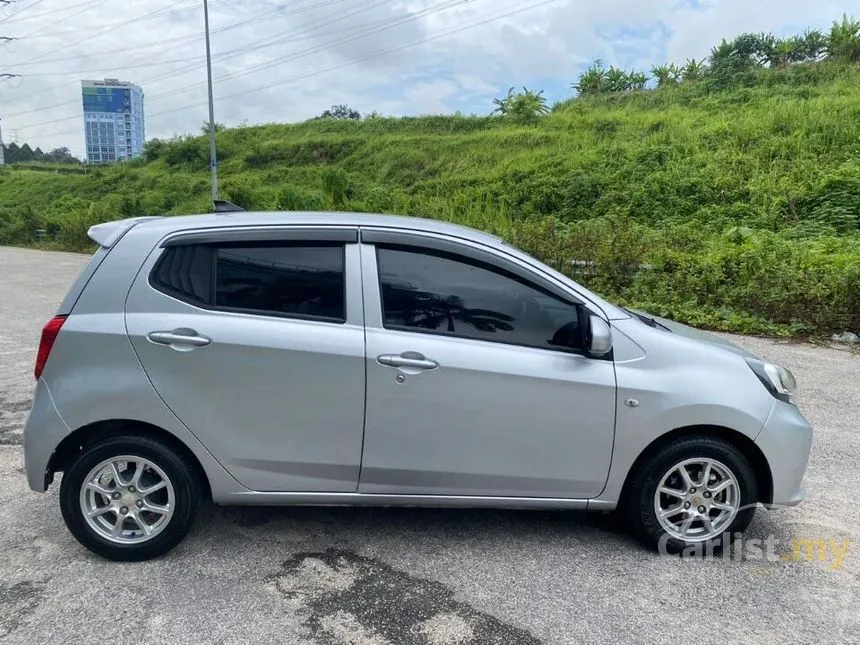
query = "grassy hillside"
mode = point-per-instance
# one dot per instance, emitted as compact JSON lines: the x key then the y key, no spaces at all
{"x":745,"y":202}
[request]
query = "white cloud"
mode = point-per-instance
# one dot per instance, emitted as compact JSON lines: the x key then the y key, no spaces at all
{"x":431,"y":96}
{"x":307,"y":49}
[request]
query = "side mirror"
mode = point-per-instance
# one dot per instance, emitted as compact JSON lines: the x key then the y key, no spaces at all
{"x":599,"y":337}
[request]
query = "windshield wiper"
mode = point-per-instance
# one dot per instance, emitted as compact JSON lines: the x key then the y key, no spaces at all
{"x":646,"y":319}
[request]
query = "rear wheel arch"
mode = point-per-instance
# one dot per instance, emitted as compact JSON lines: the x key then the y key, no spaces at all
{"x":747,"y":446}
{"x":72,"y":445}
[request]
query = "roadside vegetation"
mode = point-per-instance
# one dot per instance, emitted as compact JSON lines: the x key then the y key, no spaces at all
{"x":723,"y":192}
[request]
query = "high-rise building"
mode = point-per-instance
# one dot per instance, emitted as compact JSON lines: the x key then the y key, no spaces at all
{"x":113,"y":120}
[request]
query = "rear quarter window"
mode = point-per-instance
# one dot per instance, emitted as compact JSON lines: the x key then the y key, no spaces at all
{"x":185,"y":273}
{"x":296,"y":279}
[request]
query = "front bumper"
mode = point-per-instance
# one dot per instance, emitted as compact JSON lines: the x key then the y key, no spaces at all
{"x":43,"y":432}
{"x":785,"y":440}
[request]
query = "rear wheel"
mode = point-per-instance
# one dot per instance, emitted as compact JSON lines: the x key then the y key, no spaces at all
{"x":129,"y":498}
{"x":692,"y":496}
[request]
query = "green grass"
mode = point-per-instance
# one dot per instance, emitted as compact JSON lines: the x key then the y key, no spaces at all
{"x":746,"y":201}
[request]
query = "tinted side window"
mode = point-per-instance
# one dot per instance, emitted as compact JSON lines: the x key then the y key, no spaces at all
{"x":184,"y":272}
{"x":299,"y":280}
{"x":439,"y":293}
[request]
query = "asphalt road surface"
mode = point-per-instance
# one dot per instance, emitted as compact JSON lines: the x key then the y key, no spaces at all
{"x":351,"y":576}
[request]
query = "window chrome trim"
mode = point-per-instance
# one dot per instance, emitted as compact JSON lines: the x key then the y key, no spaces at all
{"x":345,"y":235}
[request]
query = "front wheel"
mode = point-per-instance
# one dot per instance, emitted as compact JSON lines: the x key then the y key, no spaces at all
{"x":691,"y":495}
{"x":129,"y":498}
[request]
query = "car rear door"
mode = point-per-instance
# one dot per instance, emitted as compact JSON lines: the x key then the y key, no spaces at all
{"x":255,"y":340}
{"x":476,"y":380}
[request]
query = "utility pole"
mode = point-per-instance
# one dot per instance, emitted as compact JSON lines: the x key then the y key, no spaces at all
{"x":213,"y":156}
{"x":5,"y":40}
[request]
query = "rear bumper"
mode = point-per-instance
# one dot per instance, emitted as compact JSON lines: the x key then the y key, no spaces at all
{"x":785,"y":440}
{"x":43,"y":432}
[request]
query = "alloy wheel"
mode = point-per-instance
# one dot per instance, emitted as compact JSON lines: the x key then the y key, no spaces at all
{"x":127,"y":499}
{"x":697,"y":499}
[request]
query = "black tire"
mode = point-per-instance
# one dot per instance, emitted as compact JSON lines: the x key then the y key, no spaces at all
{"x":642,"y":487}
{"x":183,"y":477}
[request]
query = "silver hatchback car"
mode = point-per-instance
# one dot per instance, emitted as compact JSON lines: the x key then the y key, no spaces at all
{"x":335,"y":358}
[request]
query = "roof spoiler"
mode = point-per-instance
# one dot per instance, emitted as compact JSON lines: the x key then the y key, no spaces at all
{"x":109,"y":233}
{"x":223,"y":206}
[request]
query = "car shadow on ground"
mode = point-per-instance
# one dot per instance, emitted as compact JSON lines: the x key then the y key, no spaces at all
{"x":358,"y":526}
{"x":404,"y":522}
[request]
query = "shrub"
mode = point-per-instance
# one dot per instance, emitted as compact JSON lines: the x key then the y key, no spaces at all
{"x":335,"y":183}
{"x":522,"y":107}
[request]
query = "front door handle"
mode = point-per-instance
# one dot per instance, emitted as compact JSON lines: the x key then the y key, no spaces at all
{"x":415,"y":360}
{"x":178,"y":337}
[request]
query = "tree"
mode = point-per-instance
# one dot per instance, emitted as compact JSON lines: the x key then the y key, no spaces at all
{"x":61,"y":155}
{"x":667,"y":74}
{"x":12,"y":153}
{"x":341,"y":113}
{"x":843,"y":42}
{"x":597,"y":80}
{"x":637,"y":80}
{"x":617,"y":80}
{"x":592,"y":80}
{"x":814,"y":45}
{"x":153,"y":149}
{"x":17,"y":154}
{"x":522,"y":107}
{"x":745,"y":52}
{"x":219,"y":127}
{"x":694,"y":70}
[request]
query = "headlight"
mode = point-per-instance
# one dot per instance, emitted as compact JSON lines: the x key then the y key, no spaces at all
{"x":778,"y":380}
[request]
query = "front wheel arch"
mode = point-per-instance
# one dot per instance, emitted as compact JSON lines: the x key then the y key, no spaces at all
{"x":764,"y":478}
{"x":76,"y":442}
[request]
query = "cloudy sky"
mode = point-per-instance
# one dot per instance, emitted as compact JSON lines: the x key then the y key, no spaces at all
{"x":288,"y":60}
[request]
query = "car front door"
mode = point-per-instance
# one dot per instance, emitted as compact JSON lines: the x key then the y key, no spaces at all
{"x":255,"y":340}
{"x":476,"y":379}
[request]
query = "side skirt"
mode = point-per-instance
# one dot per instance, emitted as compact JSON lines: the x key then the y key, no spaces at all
{"x":372,"y":499}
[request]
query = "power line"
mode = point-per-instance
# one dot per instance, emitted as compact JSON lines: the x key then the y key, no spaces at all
{"x":398,"y":20}
{"x":9,"y":21}
{"x":278,"y":40}
{"x":511,"y":12}
{"x":104,"y":31}
{"x":292,"y":57}
{"x":173,"y":12}
{"x":363,"y":58}
{"x":23,"y":9}
{"x":259,"y":18}
{"x":162,"y":77}
{"x":96,"y":70}
{"x":149,"y":45}
{"x":89,"y":7}
{"x":324,"y":46}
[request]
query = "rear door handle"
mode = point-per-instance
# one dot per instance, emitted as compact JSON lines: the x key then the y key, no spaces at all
{"x":415,"y":360}
{"x":179,"y":337}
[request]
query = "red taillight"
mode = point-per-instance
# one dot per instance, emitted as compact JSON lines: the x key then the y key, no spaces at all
{"x":49,"y":335}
